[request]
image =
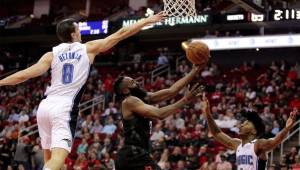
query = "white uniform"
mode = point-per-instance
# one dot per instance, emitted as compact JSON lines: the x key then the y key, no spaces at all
{"x":246,"y":158}
{"x":57,"y":114}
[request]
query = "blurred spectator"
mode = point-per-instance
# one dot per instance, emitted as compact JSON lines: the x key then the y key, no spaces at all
{"x":106,"y":147}
{"x":291,"y":156}
{"x":176,"y":156}
{"x":203,"y":156}
{"x":37,"y":157}
{"x":157,"y":133}
{"x":111,"y":110}
{"x":296,"y":165}
{"x":224,"y":164}
{"x":208,"y":165}
{"x":162,"y":59}
{"x":110,"y":127}
{"x":181,"y":165}
{"x":88,"y":122}
{"x":82,"y":148}
{"x":97,"y":127}
{"x":23,"y":117}
{"x":178,"y":121}
{"x":23,"y":152}
{"x":191,"y":159}
{"x":183,"y":68}
{"x":108,"y":162}
{"x":81,"y":162}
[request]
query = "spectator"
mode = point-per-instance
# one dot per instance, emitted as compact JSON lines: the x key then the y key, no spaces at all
{"x":82,"y":148}
{"x":203,"y":156}
{"x":107,"y":147}
{"x":276,"y":128}
{"x":224,"y":164}
{"x":81,"y":162}
{"x":181,"y":165}
{"x":296,"y":165}
{"x":178,"y":121}
{"x":176,"y":156}
{"x":110,"y":127}
{"x":111,"y":110}
{"x":37,"y":157}
{"x":191,"y":159}
{"x":157,"y":133}
{"x":162,"y":59}
{"x":88,"y":122}
{"x":108,"y":162}
{"x":183,"y":68}
{"x":97,"y":127}
{"x":23,"y":117}
{"x":23,"y":151}
{"x":291,"y":156}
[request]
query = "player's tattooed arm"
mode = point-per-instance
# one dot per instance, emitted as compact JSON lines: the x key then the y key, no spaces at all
{"x":270,"y":144}
{"x":231,"y":143}
{"x":169,"y":93}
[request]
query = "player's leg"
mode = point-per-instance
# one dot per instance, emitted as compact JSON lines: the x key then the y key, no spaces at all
{"x":44,"y":128}
{"x":47,"y":155}
{"x":61,"y":134}
{"x":130,"y":157}
{"x":58,"y":156}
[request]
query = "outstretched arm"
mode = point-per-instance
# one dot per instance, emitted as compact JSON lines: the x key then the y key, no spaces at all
{"x":231,"y":143}
{"x":97,"y":46}
{"x":171,"y":92}
{"x":270,"y":144}
{"x":135,"y":105}
{"x":35,"y":70}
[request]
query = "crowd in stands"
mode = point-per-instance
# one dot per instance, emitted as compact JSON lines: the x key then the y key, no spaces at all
{"x":180,"y":142}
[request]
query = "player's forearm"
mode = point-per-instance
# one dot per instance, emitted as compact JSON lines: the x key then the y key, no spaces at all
{"x":14,"y":79}
{"x":280,"y":136}
{"x":213,"y":127}
{"x":126,"y":32}
{"x":180,"y":84}
{"x":170,"y":109}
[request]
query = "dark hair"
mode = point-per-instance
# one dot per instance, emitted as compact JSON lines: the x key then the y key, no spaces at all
{"x":64,"y":29}
{"x":258,"y":123}
{"x":117,"y":86}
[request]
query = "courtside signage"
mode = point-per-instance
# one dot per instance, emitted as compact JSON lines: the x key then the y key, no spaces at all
{"x":173,"y":21}
{"x":252,"y":42}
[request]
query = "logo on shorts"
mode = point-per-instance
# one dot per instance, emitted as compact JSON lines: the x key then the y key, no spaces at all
{"x":68,"y":142}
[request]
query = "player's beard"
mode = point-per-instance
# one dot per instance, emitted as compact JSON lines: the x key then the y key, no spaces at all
{"x":138,"y":92}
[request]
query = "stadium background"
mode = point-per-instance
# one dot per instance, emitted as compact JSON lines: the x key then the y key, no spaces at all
{"x":236,"y":77}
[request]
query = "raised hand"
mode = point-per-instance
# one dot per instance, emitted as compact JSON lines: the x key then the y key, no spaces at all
{"x":194,"y":92}
{"x":291,"y":120}
{"x":156,"y":18}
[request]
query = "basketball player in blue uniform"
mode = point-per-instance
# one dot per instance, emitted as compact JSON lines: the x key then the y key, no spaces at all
{"x":251,"y":150}
{"x":69,"y":63}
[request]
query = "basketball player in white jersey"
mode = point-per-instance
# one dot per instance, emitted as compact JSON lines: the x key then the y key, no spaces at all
{"x":251,"y":151}
{"x":70,"y":63}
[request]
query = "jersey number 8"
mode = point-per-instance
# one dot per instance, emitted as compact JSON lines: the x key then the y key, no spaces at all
{"x":67,"y":73}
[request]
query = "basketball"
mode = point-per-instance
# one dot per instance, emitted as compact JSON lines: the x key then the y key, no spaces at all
{"x":197,"y":52}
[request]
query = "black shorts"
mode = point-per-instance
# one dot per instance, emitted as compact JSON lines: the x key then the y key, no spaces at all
{"x":134,"y":158}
